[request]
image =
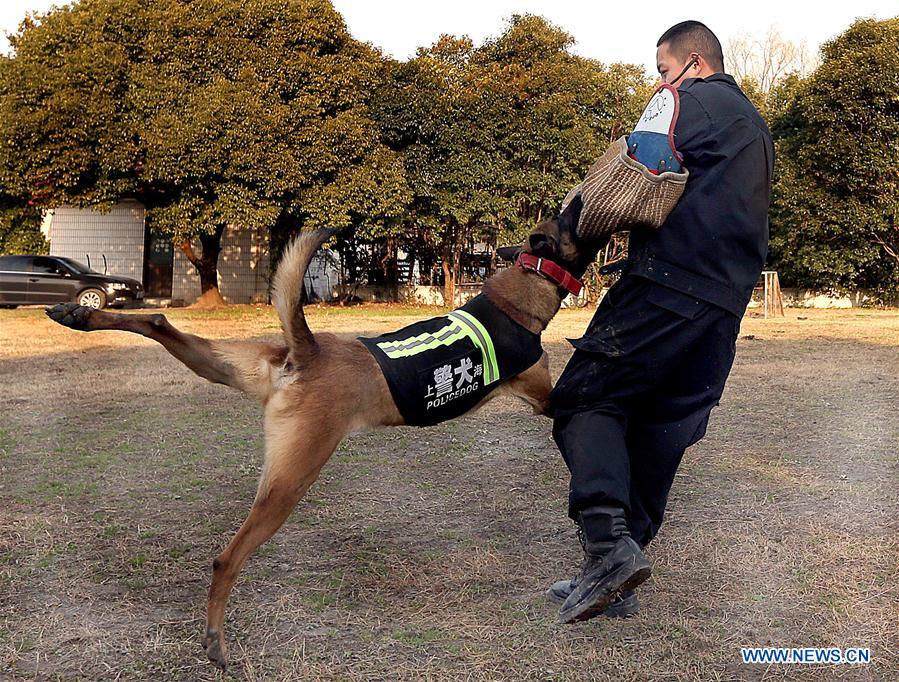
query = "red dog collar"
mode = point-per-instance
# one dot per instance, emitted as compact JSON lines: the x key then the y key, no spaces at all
{"x":551,"y":271}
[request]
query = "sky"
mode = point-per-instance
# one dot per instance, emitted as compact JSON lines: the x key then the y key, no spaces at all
{"x":607,"y":31}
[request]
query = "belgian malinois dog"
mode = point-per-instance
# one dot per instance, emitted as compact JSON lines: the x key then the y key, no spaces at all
{"x":294,"y":379}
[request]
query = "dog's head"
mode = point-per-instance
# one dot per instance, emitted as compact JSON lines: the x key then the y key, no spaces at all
{"x":556,"y":240}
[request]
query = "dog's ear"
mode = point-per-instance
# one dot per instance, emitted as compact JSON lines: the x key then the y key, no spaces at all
{"x":542,"y":245}
{"x":508,"y":253}
{"x":569,"y":218}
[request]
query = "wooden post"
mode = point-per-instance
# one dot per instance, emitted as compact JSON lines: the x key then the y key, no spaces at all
{"x":774,"y":303}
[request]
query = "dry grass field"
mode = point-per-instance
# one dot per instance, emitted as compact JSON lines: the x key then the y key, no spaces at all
{"x":424,"y":554}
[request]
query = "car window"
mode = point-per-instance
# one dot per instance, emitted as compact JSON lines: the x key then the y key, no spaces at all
{"x":48,"y":266}
{"x":15,"y":263}
{"x":79,"y":267}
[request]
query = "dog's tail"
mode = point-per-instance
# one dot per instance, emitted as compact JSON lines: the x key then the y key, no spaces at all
{"x":287,"y":292}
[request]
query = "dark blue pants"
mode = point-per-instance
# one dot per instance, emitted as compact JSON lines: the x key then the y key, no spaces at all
{"x":636,"y":393}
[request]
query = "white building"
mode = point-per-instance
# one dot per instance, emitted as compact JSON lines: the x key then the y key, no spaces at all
{"x":119,"y":242}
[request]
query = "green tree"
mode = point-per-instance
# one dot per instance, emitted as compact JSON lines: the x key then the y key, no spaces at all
{"x":836,"y":194}
{"x":558,"y":112}
{"x":441,"y":115}
{"x":755,"y":94}
{"x":20,"y":227}
{"x":20,"y":220}
{"x":494,"y":136}
{"x":211,"y":113}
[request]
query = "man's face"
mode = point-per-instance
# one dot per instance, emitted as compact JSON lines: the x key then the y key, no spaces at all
{"x":669,"y":65}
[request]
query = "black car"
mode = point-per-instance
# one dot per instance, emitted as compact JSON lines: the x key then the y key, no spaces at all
{"x":34,"y":280}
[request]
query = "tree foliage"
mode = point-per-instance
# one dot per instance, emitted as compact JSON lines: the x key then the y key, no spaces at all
{"x":494,"y":136}
{"x":268,"y":114}
{"x":20,"y":228}
{"x":836,"y":199}
{"x":251,"y":113}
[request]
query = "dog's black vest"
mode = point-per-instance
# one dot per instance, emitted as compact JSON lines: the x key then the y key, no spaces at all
{"x":440,"y":368}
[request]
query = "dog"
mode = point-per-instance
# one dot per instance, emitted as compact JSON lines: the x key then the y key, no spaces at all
{"x":294,"y":379}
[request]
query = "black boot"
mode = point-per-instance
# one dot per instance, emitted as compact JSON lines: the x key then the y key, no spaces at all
{"x":624,"y":605}
{"x":613,"y":563}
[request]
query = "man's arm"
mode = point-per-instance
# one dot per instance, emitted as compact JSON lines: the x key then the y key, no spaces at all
{"x":693,"y":127}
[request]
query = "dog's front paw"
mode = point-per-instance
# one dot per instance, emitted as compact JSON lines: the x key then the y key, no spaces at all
{"x":70,"y":315}
{"x":214,"y":643}
{"x":543,"y":409}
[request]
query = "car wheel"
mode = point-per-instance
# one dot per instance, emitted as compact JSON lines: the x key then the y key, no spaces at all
{"x":92,"y":298}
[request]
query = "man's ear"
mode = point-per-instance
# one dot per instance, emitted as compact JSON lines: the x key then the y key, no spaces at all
{"x":542,"y":245}
{"x":508,"y":253}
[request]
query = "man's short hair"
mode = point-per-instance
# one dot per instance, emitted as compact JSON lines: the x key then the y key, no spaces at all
{"x":694,"y":36}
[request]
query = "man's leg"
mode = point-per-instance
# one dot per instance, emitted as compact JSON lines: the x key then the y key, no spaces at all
{"x":630,"y":347}
{"x":595,"y":480}
{"x":589,"y":425}
{"x":655,"y":461}
{"x":598,"y":491}
{"x":674,"y":417}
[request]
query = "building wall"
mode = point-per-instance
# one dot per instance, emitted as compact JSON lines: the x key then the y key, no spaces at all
{"x":811,"y":298}
{"x":119,"y":235}
{"x":323,"y":276}
{"x":243,"y":269}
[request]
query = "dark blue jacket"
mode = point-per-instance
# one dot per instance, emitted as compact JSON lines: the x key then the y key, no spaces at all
{"x":714,"y":244}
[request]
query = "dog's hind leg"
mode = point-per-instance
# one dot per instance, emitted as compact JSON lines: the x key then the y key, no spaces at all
{"x":241,"y":364}
{"x":298,"y":443}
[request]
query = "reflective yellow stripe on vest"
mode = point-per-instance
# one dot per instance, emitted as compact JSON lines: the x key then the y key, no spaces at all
{"x":460,"y":324}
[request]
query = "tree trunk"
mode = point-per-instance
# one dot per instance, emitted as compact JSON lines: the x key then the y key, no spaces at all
{"x":449,"y":286}
{"x":207,"y":267}
{"x":452,"y":257}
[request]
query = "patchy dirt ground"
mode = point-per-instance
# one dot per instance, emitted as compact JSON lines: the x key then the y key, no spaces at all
{"x":424,"y":554}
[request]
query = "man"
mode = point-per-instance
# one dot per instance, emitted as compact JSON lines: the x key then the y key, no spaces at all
{"x":652,"y":364}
